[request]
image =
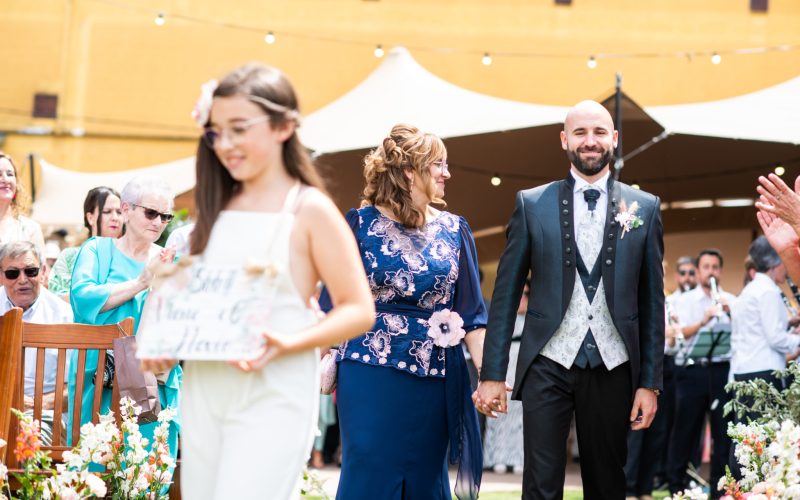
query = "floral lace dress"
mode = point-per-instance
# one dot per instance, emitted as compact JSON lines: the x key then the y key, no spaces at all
{"x":419,"y":278}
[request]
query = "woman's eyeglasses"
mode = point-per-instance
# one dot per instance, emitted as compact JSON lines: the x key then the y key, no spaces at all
{"x":151,"y":214}
{"x":12,"y":274}
{"x":442,"y":165}
{"x":235,"y":133}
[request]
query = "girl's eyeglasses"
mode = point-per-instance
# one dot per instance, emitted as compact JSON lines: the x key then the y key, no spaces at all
{"x":235,"y":133}
{"x":151,"y":214}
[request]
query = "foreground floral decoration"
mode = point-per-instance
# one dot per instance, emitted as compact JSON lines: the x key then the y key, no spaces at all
{"x":767,"y":449}
{"x":131,"y":471}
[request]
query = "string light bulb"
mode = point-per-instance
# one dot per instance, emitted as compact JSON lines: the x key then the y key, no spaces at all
{"x":496,"y":180}
{"x":716,"y":58}
{"x":486,"y":59}
{"x":378,"y":51}
{"x":591,"y":63}
{"x":160,"y":19}
{"x":779,"y":170}
{"x":269,"y":38}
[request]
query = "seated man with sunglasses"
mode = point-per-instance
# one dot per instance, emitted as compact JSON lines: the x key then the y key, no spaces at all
{"x":20,"y":266}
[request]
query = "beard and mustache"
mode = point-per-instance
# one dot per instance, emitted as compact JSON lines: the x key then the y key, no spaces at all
{"x":590,"y":167}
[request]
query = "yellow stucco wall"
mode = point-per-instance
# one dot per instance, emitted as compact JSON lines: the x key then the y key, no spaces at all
{"x":118,"y":73}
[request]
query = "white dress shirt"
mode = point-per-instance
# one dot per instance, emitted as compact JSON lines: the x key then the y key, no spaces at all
{"x":47,"y":309}
{"x":761,"y":339}
{"x":691,"y":307}
{"x":581,"y":206}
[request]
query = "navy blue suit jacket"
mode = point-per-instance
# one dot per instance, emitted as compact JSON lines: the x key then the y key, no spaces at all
{"x":541,"y":240}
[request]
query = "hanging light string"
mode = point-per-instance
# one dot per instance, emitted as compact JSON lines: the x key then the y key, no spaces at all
{"x":493,"y":175}
{"x":485,"y":56}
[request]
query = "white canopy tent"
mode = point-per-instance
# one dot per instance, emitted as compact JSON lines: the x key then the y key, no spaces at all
{"x":60,"y":194}
{"x":771,"y":114}
{"x":401,"y":90}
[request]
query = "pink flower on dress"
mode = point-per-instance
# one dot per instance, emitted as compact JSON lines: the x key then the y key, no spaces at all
{"x":202,"y":109}
{"x":446,"y":328}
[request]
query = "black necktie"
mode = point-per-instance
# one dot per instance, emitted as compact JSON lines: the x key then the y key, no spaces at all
{"x":591,"y":196}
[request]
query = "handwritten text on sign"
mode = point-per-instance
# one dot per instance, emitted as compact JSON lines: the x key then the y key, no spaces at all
{"x":206,"y":313}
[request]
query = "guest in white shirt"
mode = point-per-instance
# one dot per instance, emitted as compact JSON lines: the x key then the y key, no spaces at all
{"x":21,"y":263}
{"x":701,"y":371}
{"x":762,"y":337}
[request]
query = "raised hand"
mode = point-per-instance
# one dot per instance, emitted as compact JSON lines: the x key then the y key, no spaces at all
{"x":781,"y":236}
{"x":779,"y":200}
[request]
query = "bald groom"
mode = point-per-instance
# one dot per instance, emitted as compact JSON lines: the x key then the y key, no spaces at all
{"x":593,"y":339}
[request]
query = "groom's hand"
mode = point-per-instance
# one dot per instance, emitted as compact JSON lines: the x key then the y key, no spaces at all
{"x":490,"y":397}
{"x":645,"y":403}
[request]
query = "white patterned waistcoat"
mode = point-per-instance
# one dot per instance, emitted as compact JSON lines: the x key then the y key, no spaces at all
{"x":581,"y":316}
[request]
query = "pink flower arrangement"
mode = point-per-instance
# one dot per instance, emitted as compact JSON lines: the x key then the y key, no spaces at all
{"x":446,"y":328}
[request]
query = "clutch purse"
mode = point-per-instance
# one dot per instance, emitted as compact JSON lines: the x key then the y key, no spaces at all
{"x":327,"y":369}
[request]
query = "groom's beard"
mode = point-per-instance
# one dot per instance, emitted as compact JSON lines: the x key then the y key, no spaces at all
{"x":592,"y":166}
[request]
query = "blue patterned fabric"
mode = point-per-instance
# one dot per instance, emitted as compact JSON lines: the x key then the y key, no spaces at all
{"x":412,"y":273}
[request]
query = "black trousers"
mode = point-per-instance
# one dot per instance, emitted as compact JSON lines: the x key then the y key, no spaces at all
{"x":601,"y":402}
{"x":647,"y":448}
{"x":697,"y":389}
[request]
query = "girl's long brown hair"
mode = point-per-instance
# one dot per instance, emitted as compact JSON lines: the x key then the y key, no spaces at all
{"x":406,"y":149}
{"x":215,"y":187}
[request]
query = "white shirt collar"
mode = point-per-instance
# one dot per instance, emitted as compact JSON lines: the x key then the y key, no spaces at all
{"x":580,"y":182}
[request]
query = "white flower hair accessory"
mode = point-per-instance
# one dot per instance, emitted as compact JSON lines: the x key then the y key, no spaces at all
{"x":202,"y":109}
{"x":627,"y":218}
{"x":445,"y":327}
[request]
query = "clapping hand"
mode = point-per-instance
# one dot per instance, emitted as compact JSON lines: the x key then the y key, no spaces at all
{"x":778,"y":199}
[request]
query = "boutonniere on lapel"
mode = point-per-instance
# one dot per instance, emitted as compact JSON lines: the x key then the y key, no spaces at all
{"x":627,"y":218}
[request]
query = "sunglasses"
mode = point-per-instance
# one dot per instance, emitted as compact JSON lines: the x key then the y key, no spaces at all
{"x":684,"y":272}
{"x":151,"y":214}
{"x":30,"y":272}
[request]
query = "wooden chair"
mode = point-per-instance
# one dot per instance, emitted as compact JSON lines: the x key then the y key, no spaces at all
{"x":10,"y":336}
{"x":64,"y":337}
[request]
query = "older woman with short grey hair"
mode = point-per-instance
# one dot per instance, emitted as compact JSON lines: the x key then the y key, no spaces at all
{"x":111,"y":280}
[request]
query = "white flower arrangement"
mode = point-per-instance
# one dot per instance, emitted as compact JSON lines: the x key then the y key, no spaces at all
{"x":446,"y":328}
{"x":627,"y":218}
{"x":769,"y":456}
{"x":202,"y":109}
{"x":132,"y":471}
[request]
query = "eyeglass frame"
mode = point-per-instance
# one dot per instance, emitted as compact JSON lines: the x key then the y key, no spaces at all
{"x":442,"y":164}
{"x":151,"y":214}
{"x":30,"y":272}
{"x":684,"y":272}
{"x":211,"y":137}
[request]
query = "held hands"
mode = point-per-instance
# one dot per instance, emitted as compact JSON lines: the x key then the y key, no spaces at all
{"x":490,"y":397}
{"x":645,"y":403}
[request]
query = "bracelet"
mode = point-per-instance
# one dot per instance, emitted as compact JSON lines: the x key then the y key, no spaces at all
{"x":656,"y":391}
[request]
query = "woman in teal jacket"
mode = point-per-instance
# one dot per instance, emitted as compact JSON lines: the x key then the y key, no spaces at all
{"x":110,"y":282}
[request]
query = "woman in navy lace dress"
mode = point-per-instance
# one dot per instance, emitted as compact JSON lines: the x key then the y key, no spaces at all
{"x":403,"y":387}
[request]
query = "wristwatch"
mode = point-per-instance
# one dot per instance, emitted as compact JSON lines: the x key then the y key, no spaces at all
{"x":656,"y":391}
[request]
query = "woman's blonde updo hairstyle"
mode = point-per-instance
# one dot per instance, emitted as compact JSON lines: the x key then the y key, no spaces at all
{"x":387,"y":185}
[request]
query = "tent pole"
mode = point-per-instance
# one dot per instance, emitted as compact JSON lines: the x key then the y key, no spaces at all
{"x":619,"y":161}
